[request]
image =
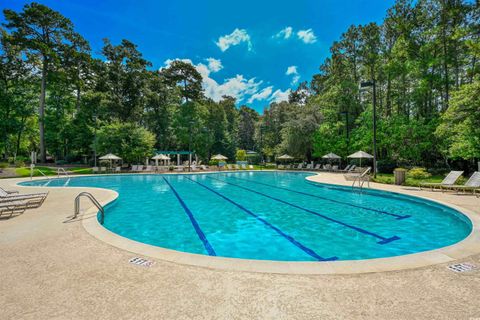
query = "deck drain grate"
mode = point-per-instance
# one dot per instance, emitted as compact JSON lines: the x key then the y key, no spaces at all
{"x":462,"y":267}
{"x":141,"y":262}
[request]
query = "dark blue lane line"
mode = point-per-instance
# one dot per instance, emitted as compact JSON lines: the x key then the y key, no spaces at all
{"x":383,"y":240}
{"x":194,"y":222}
{"x":280,"y":232}
{"x":399,"y":217}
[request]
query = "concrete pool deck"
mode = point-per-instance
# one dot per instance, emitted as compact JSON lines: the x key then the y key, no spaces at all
{"x":53,"y":269}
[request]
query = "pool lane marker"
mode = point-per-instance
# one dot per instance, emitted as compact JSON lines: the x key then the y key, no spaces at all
{"x":399,"y":217}
{"x":383,"y":240}
{"x":283,"y":234}
{"x":194,"y":222}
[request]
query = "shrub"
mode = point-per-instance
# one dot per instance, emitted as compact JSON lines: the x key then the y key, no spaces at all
{"x":241,"y":155}
{"x":418,"y":173}
{"x":19,"y":164}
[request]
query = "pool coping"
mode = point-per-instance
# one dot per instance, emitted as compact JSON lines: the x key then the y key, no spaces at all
{"x":463,"y":249}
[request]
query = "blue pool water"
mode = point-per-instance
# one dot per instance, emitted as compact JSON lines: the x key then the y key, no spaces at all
{"x":271,"y":216}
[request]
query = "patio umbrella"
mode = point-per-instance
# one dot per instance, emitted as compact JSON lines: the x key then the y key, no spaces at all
{"x":285,"y":157}
{"x":219,"y":157}
{"x":331,"y":156}
{"x":111,"y":157}
{"x":360,"y":155}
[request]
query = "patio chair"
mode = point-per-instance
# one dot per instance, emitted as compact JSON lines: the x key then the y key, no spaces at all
{"x":118,"y":169}
{"x":148,"y":169}
{"x":346,"y":169}
{"x":6,"y":192}
{"x":309,"y":166}
{"x":335,"y":168}
{"x":179,"y":169}
{"x":11,"y":196}
{"x":95,"y":169}
{"x":237,"y":167}
{"x":300,"y":166}
{"x":472,"y":184}
{"x":229,"y":167}
{"x":250,"y":167}
{"x":318,"y":166}
{"x":19,"y":205}
{"x":449,"y":180}
{"x":244,"y":166}
{"x":103,"y":169}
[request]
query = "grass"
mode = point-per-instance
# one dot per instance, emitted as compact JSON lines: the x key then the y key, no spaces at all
{"x":25,"y":171}
{"x":389,"y":179}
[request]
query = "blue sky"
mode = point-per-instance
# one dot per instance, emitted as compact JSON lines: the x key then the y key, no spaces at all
{"x":253,"y":50}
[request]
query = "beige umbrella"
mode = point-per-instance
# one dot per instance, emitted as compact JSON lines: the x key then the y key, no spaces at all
{"x":111,"y":157}
{"x":360,"y":155}
{"x":219,"y":157}
{"x":331,"y":155}
{"x":285,"y":157}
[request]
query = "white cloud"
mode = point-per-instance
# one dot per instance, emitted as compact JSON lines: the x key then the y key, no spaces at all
{"x":261,"y":95}
{"x":307,"y":36}
{"x":284,"y":33}
{"x":238,"y":87}
{"x":236,"y":37}
{"x":279,"y":95}
{"x":292,"y":70}
{"x":214,"y":65}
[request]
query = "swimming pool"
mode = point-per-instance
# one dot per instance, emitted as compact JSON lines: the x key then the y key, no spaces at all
{"x":271,"y":216}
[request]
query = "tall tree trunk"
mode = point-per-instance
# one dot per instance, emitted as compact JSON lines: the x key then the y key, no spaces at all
{"x":77,"y":102}
{"x":445,"y":62}
{"x":41,"y":111}
{"x":19,"y":135}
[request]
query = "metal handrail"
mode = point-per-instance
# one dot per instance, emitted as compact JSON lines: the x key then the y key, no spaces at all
{"x":94,"y":201}
{"x":43,"y":174}
{"x":61,"y":170}
{"x":360,"y":179}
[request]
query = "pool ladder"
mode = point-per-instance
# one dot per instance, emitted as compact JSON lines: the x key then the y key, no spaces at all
{"x":94,"y":201}
{"x":61,"y":170}
{"x":361,"y":180}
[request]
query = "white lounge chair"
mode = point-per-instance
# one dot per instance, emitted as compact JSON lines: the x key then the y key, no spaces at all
{"x":244,"y":166}
{"x":250,"y":167}
{"x":449,"y":180}
{"x":300,"y":166}
{"x":103,"y":169}
{"x":95,"y":169}
{"x":6,"y":196}
{"x":19,"y":206}
{"x":472,"y":184}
